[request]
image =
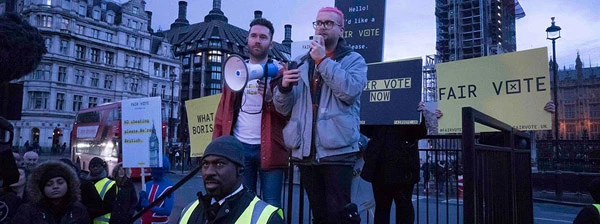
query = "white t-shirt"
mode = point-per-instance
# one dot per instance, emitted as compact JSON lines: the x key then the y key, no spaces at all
{"x":247,"y":127}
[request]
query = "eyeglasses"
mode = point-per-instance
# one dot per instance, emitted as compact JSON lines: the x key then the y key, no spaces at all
{"x":326,"y":24}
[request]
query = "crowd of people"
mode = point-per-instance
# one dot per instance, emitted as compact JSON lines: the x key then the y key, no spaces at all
{"x":57,"y":191}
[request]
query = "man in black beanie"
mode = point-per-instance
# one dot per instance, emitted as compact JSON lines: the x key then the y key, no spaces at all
{"x":226,"y":199}
{"x":591,"y":214}
{"x":106,"y":188}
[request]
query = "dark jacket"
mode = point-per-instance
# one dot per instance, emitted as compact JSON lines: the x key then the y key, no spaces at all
{"x":40,"y":210}
{"x":230,"y":211}
{"x":10,"y":202}
{"x":90,"y":198}
{"x":588,"y":215}
{"x":105,"y":206}
{"x":273,"y":152}
{"x":392,"y":156}
{"x":124,"y":204}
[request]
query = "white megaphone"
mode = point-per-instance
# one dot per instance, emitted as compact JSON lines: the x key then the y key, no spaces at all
{"x":237,"y":72}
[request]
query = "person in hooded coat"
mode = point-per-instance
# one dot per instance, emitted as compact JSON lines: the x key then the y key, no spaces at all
{"x":54,"y":192}
{"x":126,"y":200}
{"x":89,"y":196}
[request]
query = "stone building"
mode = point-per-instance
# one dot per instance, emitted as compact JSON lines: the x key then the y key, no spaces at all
{"x":99,"y":51}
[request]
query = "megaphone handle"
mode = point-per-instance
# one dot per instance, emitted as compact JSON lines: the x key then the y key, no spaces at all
{"x":265,"y":75}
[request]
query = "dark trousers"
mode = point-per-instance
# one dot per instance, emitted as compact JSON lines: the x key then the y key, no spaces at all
{"x":401,"y":194}
{"x":328,"y":191}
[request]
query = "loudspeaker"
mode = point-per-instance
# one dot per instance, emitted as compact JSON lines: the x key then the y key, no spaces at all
{"x":237,"y":73}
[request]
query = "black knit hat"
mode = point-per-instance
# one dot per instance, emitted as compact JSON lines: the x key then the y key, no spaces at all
{"x":96,"y":161}
{"x":49,"y":174}
{"x":226,"y":146}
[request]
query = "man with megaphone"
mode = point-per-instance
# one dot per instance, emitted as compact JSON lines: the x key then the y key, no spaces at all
{"x":246,"y":111}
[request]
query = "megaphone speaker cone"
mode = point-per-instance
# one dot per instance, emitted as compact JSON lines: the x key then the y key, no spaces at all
{"x":235,"y":73}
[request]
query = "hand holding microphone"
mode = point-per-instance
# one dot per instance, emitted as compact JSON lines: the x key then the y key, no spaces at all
{"x":317,"y":48}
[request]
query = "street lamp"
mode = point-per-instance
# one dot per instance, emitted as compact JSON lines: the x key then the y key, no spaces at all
{"x":172,"y":77}
{"x":553,"y":33}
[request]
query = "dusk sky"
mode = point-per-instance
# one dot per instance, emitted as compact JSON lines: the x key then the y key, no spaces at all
{"x":410,"y":24}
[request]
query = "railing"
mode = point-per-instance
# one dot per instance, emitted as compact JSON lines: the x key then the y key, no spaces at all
{"x":570,"y":155}
{"x":566,"y":166}
{"x":497,"y":179}
{"x":439,"y":193}
{"x":497,"y":172}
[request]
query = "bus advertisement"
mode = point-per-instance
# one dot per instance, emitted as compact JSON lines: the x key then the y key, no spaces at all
{"x":97,"y":133}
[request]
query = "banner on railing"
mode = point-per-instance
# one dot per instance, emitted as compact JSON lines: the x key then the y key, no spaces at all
{"x":511,"y":87}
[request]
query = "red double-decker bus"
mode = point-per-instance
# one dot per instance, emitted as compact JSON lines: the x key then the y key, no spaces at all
{"x":97,"y":133}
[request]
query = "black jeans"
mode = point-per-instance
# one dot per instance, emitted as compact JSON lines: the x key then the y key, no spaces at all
{"x":401,"y":194}
{"x":328,"y":191}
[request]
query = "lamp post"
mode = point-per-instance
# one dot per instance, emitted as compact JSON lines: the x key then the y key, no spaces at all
{"x":553,"y":33}
{"x":172,"y":77}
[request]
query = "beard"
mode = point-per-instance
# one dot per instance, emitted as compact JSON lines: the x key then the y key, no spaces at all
{"x":260,"y":54}
{"x":330,"y":41}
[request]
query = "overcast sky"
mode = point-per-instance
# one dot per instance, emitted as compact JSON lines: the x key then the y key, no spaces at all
{"x":410,"y":24}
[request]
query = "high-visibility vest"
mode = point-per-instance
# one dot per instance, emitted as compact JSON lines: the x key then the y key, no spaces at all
{"x":597,"y":207}
{"x":257,"y":212}
{"x":102,"y":186}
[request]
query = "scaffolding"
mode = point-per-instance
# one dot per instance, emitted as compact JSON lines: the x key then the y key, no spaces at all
{"x":430,"y":79}
{"x":474,"y":28}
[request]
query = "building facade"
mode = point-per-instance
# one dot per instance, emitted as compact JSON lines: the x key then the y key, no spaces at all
{"x":578,"y":103}
{"x":99,"y":51}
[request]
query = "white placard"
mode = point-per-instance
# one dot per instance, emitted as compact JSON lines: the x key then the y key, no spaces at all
{"x":300,"y":48}
{"x":141,"y":126}
{"x":87,"y":131}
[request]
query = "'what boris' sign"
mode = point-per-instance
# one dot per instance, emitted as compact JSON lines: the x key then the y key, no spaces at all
{"x":201,"y":119}
{"x":511,"y":87}
{"x":392,"y":93}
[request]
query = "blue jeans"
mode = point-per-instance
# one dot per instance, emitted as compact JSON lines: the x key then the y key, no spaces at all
{"x":271,"y":181}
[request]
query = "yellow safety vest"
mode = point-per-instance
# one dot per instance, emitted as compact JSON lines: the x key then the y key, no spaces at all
{"x":257,"y":212}
{"x":102,"y":186}
{"x":597,"y":207}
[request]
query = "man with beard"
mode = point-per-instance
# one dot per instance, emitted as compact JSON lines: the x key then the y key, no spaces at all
{"x":250,"y":116}
{"x":226,"y":199}
{"x":106,"y":188}
{"x":31,"y":161}
{"x":322,"y":96}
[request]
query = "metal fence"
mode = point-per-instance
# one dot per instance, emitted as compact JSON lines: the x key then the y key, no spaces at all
{"x":569,"y":155}
{"x":497,"y":179}
{"x":566,"y":166}
{"x":439,"y":194}
{"x":498,"y":172}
